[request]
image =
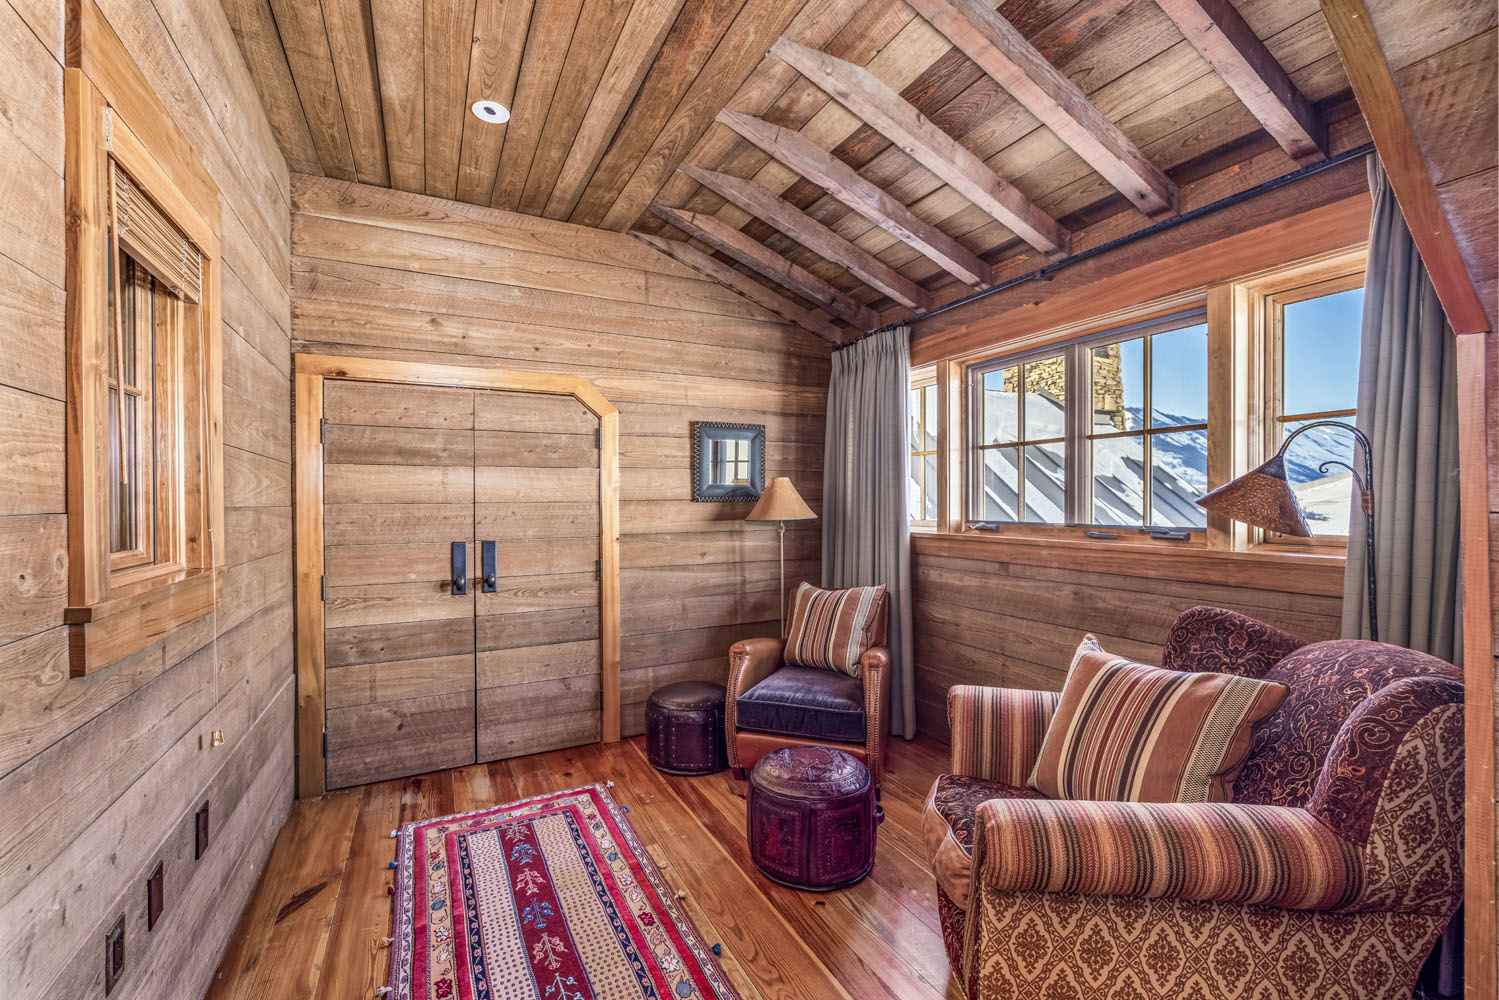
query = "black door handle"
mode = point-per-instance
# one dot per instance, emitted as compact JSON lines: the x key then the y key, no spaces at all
{"x":491,"y":572}
{"x":460,"y":568}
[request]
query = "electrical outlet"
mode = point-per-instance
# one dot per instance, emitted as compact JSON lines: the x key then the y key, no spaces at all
{"x":114,"y":955}
{"x":156,"y":899}
{"x":200,"y":833}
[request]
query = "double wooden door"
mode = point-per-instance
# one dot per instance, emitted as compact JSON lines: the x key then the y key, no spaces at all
{"x":461,"y":581}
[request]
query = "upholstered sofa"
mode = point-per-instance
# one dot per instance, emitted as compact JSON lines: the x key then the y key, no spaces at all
{"x":771,"y":704}
{"x":1331,"y":874}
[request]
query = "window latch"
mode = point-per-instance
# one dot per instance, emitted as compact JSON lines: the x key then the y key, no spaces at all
{"x":1166,"y":536}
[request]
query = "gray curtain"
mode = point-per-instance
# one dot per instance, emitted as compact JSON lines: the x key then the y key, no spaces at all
{"x":1407,"y":405}
{"x":866,"y":536}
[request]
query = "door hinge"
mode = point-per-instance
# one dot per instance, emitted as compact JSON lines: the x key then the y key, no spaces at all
{"x":322,"y":431}
{"x":598,"y":437}
{"x":325,"y":739}
{"x":600,"y":700}
{"x":324,"y":586}
{"x":598,"y":569}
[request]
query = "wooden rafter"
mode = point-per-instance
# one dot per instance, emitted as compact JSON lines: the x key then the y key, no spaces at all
{"x":888,"y":113}
{"x":1217,"y":30}
{"x":726,"y":239}
{"x":1379,"y":100}
{"x":1003,"y":52}
{"x":812,"y":234}
{"x":869,"y":200}
{"x":751,"y":289}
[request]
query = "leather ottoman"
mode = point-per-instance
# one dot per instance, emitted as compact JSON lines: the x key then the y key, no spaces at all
{"x":684,"y":730}
{"x":812,"y":818}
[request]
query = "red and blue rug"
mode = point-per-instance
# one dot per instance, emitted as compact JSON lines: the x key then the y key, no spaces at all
{"x":549,"y":898}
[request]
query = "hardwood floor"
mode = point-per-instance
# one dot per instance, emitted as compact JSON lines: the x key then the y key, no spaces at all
{"x":314,"y":926}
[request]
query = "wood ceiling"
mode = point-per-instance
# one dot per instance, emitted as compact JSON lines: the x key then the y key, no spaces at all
{"x":836,"y":160}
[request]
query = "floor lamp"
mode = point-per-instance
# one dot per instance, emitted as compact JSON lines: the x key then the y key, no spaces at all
{"x":1264,"y":499}
{"x":781,"y":503}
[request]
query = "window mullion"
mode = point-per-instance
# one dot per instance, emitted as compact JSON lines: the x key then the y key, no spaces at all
{"x":1078,"y":462}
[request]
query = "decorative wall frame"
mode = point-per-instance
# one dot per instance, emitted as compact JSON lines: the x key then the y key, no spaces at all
{"x":728,"y":462}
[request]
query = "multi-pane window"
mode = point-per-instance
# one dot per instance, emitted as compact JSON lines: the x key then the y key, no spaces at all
{"x":921,"y":479}
{"x":1019,"y":434}
{"x":1147,"y":431}
{"x":1314,"y":343}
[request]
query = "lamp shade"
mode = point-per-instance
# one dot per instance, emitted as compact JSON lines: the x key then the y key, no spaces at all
{"x":780,"y":502}
{"x":1262,"y":498}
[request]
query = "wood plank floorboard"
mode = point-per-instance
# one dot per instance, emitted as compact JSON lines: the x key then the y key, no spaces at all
{"x":315,"y":926}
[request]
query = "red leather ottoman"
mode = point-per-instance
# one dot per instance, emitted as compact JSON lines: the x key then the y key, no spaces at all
{"x":812,"y":818}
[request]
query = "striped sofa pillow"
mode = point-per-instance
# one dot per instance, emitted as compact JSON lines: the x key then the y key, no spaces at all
{"x":831,"y":629}
{"x":1127,"y":732}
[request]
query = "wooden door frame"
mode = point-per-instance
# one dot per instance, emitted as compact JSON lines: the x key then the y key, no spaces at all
{"x":311,"y":370}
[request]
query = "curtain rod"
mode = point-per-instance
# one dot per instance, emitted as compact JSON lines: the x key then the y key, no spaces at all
{"x":1045,"y":273}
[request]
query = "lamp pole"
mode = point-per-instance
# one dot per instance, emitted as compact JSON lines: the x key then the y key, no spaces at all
{"x":1366,"y":499}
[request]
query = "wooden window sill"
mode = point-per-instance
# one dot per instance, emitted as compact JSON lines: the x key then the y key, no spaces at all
{"x":103,"y":633}
{"x":1299,"y":572}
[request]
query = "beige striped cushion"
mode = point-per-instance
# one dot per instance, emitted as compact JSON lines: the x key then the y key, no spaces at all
{"x":1126,"y":732}
{"x":831,"y":629}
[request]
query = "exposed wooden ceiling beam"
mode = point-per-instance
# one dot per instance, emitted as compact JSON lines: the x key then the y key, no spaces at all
{"x":1379,"y":100}
{"x":888,"y":113}
{"x":1216,"y":29}
{"x":812,"y":234}
{"x":1003,"y":52}
{"x":751,"y":253}
{"x":743,"y":284}
{"x":869,"y":200}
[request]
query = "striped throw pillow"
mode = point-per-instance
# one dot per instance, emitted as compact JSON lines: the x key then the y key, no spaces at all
{"x":831,"y":629}
{"x":1126,"y":732}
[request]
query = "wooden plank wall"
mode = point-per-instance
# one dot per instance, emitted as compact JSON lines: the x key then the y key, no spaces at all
{"x":100,"y":776}
{"x":379,"y":273}
{"x":988,"y":613}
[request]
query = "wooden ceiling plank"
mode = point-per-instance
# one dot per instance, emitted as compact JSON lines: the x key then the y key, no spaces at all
{"x":305,"y":41}
{"x":254,"y":29}
{"x":688,"y":46}
{"x":742,"y":47}
{"x":500,"y":30}
{"x":645,"y":29}
{"x":1218,"y":31}
{"x":351,"y":39}
{"x":552,"y":25}
{"x":593,"y":43}
{"x":844,"y":183}
{"x":812,"y":234}
{"x":732,"y":242}
{"x":850,"y":29}
{"x":1379,"y":99}
{"x":744,"y":285}
{"x":447,"y":38}
{"x":402,"y":90}
{"x":1003,"y":52}
{"x":872,"y":100}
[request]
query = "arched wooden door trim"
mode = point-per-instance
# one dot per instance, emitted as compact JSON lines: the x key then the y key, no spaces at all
{"x":310,"y":372}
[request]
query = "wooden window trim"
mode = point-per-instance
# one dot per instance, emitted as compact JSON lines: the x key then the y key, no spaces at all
{"x":926,"y":378}
{"x":111,"y":113}
{"x":1236,"y":425}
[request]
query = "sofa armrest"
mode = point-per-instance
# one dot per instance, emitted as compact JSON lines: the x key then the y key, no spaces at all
{"x":1219,"y":852}
{"x":750,"y":662}
{"x":997,"y":732}
{"x":874,"y":669}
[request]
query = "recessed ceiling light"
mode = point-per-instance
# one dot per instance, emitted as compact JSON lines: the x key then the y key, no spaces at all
{"x":491,"y":111}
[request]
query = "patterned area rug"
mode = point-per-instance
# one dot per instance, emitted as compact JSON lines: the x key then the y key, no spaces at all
{"x":549,"y":898}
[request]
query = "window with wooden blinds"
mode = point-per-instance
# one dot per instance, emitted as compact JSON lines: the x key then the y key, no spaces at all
{"x":145,"y":232}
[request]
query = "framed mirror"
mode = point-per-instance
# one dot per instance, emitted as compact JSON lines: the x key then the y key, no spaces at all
{"x":728,"y":462}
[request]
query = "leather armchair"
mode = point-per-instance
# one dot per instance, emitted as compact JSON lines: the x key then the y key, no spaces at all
{"x":788,"y":706}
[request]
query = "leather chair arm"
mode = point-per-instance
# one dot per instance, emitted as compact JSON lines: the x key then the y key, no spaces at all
{"x":874,"y":669}
{"x":750,"y":662}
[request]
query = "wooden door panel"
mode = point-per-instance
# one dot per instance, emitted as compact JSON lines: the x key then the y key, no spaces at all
{"x":536,"y":488}
{"x":398,"y":644}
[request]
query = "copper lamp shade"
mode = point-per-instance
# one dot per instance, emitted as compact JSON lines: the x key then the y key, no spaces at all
{"x":1262,"y":498}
